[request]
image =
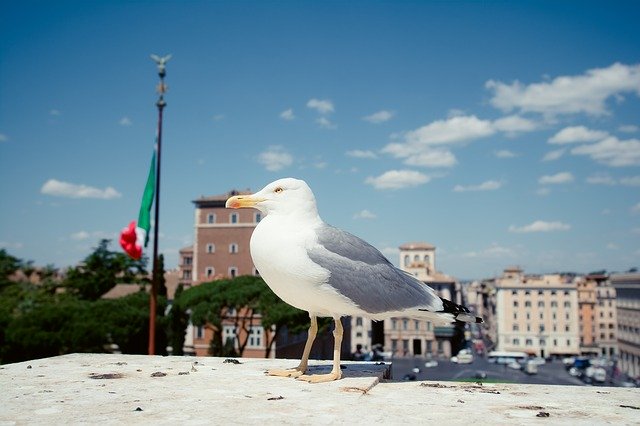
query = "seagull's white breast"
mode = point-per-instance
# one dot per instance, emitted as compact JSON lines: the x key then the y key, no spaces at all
{"x":279,"y":251}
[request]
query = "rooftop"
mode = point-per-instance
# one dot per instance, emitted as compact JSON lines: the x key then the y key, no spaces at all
{"x":139,"y":389}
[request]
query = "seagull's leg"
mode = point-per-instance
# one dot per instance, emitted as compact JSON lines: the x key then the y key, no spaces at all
{"x":336,"y":373}
{"x":304,"y":362}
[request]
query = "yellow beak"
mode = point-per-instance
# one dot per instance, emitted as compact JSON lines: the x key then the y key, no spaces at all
{"x":242,"y":202}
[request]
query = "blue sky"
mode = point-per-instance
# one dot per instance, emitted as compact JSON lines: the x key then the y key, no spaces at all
{"x":501,"y":132}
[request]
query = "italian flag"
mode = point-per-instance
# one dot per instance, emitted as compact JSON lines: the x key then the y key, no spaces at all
{"x":136,"y":236}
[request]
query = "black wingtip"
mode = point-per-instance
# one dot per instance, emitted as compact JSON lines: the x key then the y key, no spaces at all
{"x":460,"y":313}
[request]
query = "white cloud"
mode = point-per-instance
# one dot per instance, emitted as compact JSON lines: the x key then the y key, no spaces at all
{"x":586,"y":93}
{"x":322,"y":106}
{"x":125,"y":121}
{"x":540,"y":226}
{"x":275,"y":158}
{"x":514,"y":124}
{"x":84,"y":235}
{"x":364,"y":214}
{"x":432,"y":158}
{"x":325,"y":123}
{"x":79,"y":236}
{"x":612,"y":152}
{"x":553,"y":155}
{"x":630,"y":181}
{"x":612,"y":246}
{"x":11,"y":245}
{"x":379,"y":117}
{"x":359,"y":153}
{"x":417,"y":148}
{"x":287,"y":114}
{"x":601,"y":179}
{"x":398,"y":179}
{"x":575,"y":134}
{"x":505,"y":153}
{"x":490,"y":185}
{"x":636,"y":208}
{"x":65,"y":189}
{"x":629,"y":128}
{"x":3,"y":137}
{"x":558,"y":178}
{"x":494,"y":251}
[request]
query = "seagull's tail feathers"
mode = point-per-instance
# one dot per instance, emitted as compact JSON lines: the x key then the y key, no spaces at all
{"x":454,"y":312}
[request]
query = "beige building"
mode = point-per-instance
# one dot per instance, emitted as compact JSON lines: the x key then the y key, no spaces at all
{"x":537,"y":314}
{"x":412,"y":337}
{"x":627,"y":288}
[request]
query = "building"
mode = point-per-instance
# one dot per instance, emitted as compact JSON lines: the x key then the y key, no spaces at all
{"x":221,"y":250}
{"x":537,"y":314}
{"x":598,"y":317}
{"x":221,"y":240}
{"x":627,"y":287}
{"x":413,"y":337}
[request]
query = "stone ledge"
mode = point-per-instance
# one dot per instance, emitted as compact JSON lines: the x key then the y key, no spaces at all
{"x":139,"y":389}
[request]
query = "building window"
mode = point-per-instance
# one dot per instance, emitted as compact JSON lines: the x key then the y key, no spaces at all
{"x":554,"y":304}
{"x":209,"y":271}
{"x":200,"y":332}
{"x":186,"y":275}
{"x":416,"y":324}
{"x":211,"y":248}
{"x":515,"y":315}
{"x":394,"y":345}
{"x":358,"y":321}
{"x":541,"y":315}
{"x":405,"y":345}
{"x":406,"y":260}
{"x":568,"y":342}
{"x":394,"y":323}
{"x":515,"y":327}
{"x":233,"y":248}
{"x":541,"y":304}
{"x":555,"y":342}
{"x":211,"y":218}
{"x":527,"y":304}
{"x":229,"y":334}
{"x":567,"y":304}
{"x":514,"y":293}
{"x":233,"y":271}
{"x":428,"y":325}
{"x":515,"y":303}
{"x":258,"y":217}
{"x":405,"y":324}
{"x":516,"y":341}
{"x":187,"y":260}
{"x":233,"y":218}
{"x":255,"y":337}
{"x":543,"y":342}
{"x":528,"y":342}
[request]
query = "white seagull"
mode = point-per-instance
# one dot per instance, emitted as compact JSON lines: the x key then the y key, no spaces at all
{"x":330,"y":273}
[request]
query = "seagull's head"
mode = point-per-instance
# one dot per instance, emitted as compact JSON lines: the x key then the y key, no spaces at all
{"x":287,"y":196}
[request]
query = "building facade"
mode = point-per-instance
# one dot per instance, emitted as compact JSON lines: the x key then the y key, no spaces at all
{"x":221,"y":250}
{"x":537,"y":314}
{"x":627,"y":287}
{"x":415,"y":337}
{"x":598,"y":316}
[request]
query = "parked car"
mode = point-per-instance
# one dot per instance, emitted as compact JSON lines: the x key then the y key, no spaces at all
{"x":538,"y":360}
{"x":462,"y":358}
{"x":515,"y":365}
{"x":531,"y":367}
{"x":431,"y":364}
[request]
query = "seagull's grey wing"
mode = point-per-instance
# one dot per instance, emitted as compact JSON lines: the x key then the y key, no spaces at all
{"x":361,"y":273}
{"x":155,"y":58}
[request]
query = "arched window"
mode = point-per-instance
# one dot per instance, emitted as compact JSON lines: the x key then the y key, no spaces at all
{"x":406,"y":260}
{"x":211,"y":248}
{"x":233,"y":248}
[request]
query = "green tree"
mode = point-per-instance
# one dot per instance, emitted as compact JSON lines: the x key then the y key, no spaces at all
{"x":238,"y":300}
{"x":101,"y":271}
{"x":177,"y":320}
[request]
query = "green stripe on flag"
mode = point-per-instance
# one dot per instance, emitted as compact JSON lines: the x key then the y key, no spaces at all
{"x":144,"y":217}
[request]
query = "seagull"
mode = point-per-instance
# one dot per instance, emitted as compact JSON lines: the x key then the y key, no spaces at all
{"x":329,"y":272}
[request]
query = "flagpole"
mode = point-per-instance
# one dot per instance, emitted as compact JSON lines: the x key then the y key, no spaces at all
{"x":155,"y":274}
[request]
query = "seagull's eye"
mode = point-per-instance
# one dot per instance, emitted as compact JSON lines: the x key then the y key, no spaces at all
{"x":278,"y":190}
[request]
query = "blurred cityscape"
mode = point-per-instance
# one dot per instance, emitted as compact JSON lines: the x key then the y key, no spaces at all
{"x":561,"y":328}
